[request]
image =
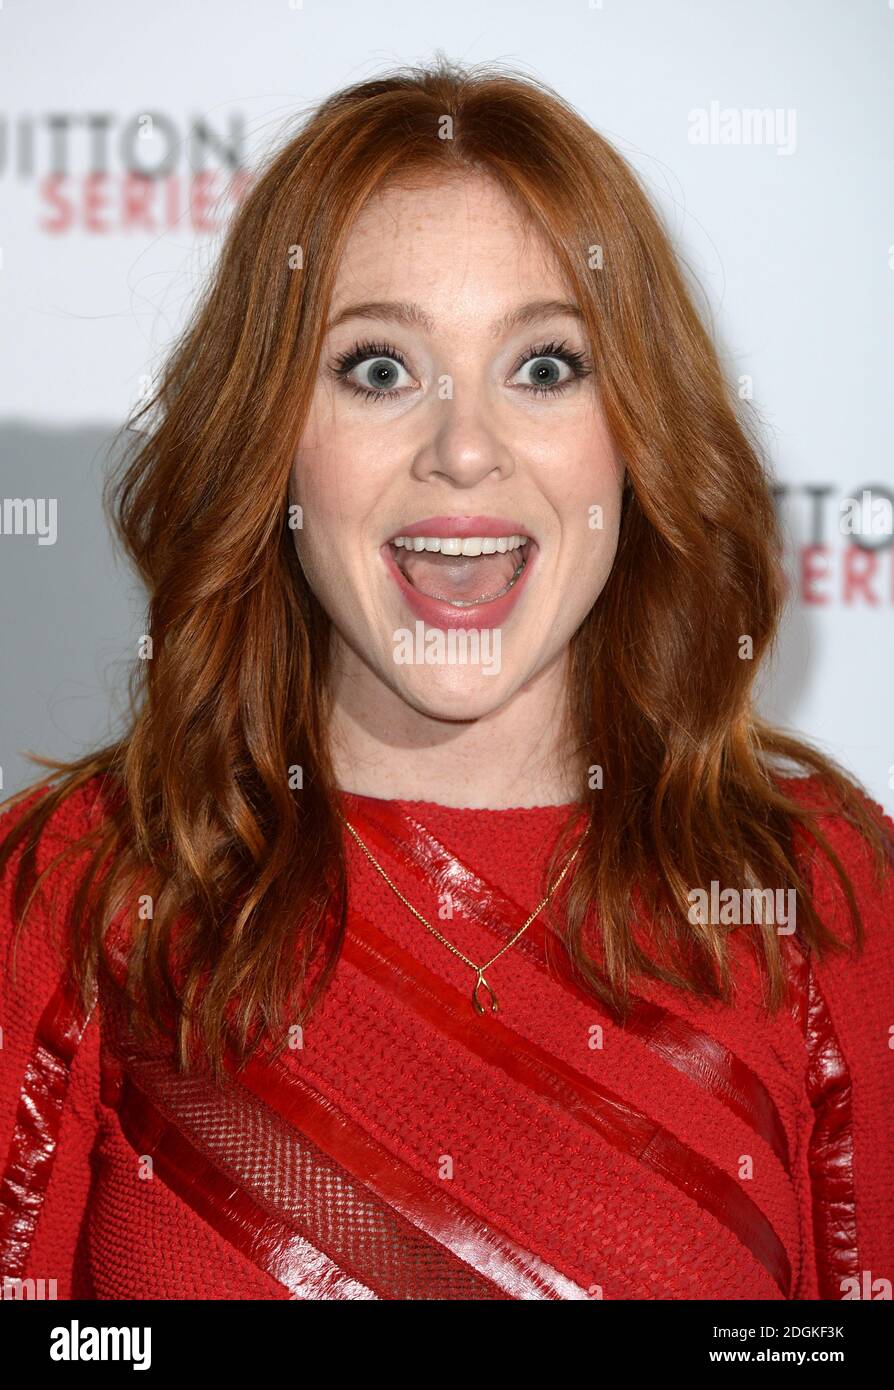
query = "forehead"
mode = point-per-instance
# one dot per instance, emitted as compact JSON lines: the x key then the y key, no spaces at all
{"x":437,"y":238}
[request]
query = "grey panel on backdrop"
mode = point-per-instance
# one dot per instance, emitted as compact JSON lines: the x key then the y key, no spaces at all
{"x":72,"y":610}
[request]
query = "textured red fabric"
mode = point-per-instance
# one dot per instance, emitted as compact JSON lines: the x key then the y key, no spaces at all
{"x":410,"y":1149}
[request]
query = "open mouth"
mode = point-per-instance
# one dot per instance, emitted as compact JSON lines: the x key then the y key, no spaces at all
{"x":463,"y":571}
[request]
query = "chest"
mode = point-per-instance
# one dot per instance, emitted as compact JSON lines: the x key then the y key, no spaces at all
{"x":406,"y":1148}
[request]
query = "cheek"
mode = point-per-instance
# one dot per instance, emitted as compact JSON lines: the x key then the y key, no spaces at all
{"x":328,"y":491}
{"x":305,"y":488}
{"x":588,"y":501}
{"x":339,"y":469}
{"x":309,"y":469}
{"x":338,"y":497}
{"x":321,"y":461}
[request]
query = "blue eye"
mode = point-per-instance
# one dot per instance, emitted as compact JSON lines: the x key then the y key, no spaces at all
{"x":372,"y":370}
{"x":541,"y":369}
{"x":545,"y":371}
{"x":381,"y":374}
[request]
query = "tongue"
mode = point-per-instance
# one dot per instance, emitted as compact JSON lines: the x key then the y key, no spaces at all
{"x":458,"y":578}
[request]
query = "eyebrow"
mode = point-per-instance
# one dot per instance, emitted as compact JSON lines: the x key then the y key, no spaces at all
{"x":396,"y":311}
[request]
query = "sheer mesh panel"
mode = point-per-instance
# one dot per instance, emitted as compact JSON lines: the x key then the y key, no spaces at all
{"x":289,"y":1175}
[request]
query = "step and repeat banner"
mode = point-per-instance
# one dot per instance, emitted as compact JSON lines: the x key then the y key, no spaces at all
{"x":129,"y":133}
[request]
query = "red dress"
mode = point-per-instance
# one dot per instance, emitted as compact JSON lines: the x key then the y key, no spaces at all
{"x":410,"y":1149}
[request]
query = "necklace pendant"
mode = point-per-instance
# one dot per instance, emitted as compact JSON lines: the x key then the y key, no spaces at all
{"x":479,"y":1007}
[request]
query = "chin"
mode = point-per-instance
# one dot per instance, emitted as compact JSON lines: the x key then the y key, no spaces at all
{"x":455,"y":694}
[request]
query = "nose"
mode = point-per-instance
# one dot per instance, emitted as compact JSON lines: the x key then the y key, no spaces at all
{"x":464,"y":448}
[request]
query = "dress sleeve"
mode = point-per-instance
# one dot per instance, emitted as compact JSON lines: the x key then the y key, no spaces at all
{"x":847,"y":1014}
{"x":49,"y":1075}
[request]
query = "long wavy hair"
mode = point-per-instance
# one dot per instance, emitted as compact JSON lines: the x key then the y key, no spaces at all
{"x":206,"y":815}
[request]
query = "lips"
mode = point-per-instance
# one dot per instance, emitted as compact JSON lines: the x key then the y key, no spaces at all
{"x":461,"y":571}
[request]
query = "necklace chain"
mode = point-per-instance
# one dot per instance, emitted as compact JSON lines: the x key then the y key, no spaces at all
{"x":480,"y":981}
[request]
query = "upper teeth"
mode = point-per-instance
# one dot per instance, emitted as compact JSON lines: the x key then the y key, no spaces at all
{"x":462,"y":545}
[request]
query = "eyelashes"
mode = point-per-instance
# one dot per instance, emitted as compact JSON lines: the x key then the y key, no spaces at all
{"x":345,"y":363}
{"x":367,"y":350}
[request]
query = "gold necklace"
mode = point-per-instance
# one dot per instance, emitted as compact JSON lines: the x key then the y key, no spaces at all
{"x":479,"y":969}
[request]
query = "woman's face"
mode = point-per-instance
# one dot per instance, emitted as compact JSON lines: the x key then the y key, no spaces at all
{"x":460,"y":493}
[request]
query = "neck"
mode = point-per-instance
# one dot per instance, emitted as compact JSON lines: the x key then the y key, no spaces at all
{"x":514,"y":756}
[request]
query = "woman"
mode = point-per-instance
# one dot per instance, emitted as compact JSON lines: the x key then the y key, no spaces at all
{"x":447,"y":925}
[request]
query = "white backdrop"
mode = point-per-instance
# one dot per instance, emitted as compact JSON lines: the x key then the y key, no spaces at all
{"x":787,"y":225}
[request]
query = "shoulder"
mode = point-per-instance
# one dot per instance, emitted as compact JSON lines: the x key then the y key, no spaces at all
{"x":40,"y":867}
{"x":844,"y":1005}
{"x":39,"y":875}
{"x":852,"y":989}
{"x":868,"y":861}
{"x":71,"y":814}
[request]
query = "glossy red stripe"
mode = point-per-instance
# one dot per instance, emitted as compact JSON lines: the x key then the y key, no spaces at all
{"x":32,"y":1149}
{"x":486,"y":1262}
{"x":264,"y":1183}
{"x":517,"y":1272}
{"x":260,"y":1235}
{"x":702,"y":1059}
{"x":619,"y":1124}
{"x":831,"y":1150}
